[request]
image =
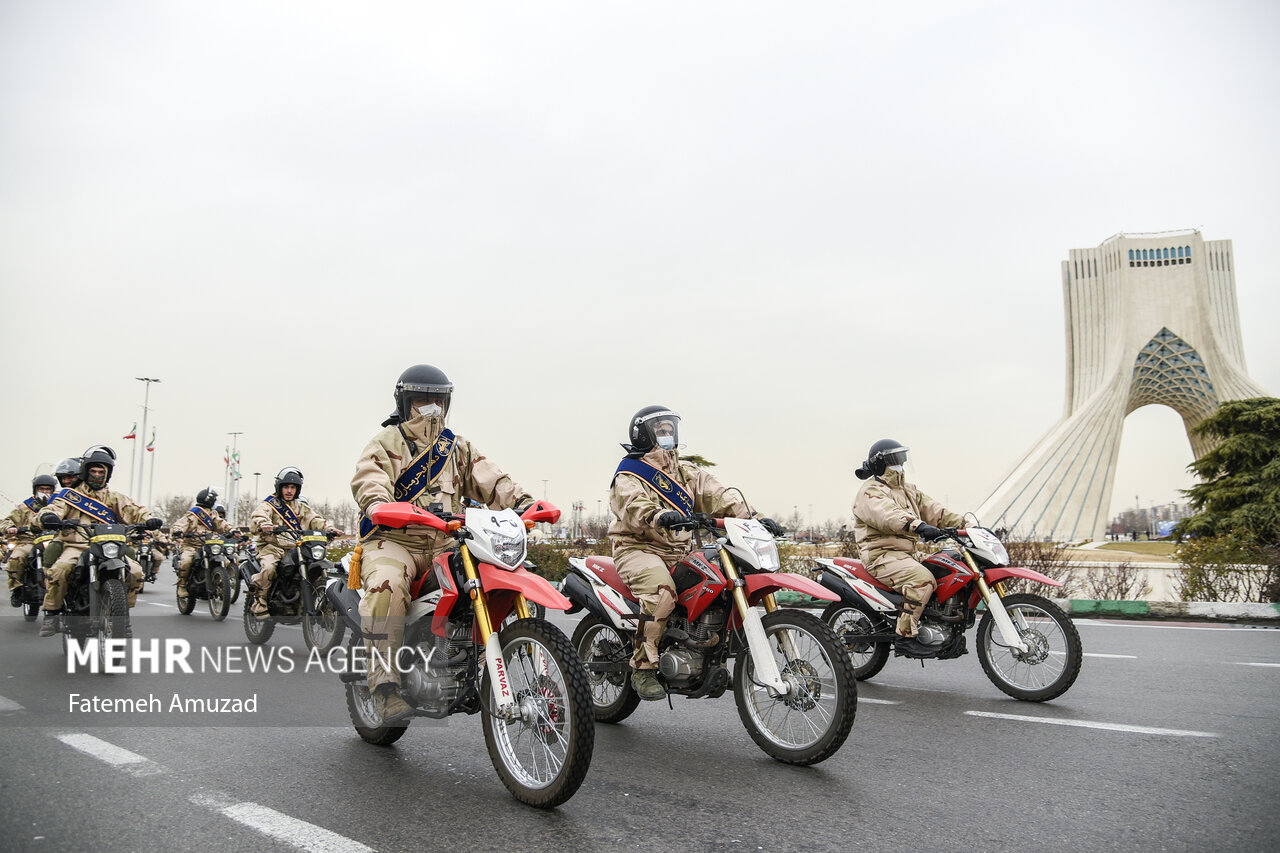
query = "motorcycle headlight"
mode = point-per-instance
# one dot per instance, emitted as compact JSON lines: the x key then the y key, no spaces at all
{"x":508,"y":549}
{"x":767,"y":553}
{"x":111,"y":550}
{"x":215,"y":550}
{"x":317,"y":552}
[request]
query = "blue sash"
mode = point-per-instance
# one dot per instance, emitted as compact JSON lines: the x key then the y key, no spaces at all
{"x":420,"y":474}
{"x":283,"y":509}
{"x":668,"y":489}
{"x":87,"y":505}
{"x":30,"y":503}
{"x":202,"y":515}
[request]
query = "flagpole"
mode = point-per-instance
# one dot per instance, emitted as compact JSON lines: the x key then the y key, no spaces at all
{"x":151,"y":448}
{"x":133,"y":458}
{"x":146,"y":399}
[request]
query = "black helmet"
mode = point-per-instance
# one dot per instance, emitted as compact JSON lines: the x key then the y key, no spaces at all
{"x":69,"y":467}
{"x":220,"y":510}
{"x":206,"y":497}
{"x":882,"y":454}
{"x":287,"y":476}
{"x":422,"y":381}
{"x":99,"y":454}
{"x":640,"y":428}
{"x":43,"y":480}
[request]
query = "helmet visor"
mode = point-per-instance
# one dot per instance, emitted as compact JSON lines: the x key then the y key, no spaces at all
{"x":896,"y":457}
{"x":664,"y":427}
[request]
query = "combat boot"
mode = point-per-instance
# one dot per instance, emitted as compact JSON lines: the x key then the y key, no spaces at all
{"x":647,"y":686}
{"x":391,"y":707}
{"x":49,"y":626}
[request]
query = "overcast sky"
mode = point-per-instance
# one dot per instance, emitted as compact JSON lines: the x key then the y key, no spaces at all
{"x":804,"y":226}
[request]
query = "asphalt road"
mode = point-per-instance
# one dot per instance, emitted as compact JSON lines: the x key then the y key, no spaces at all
{"x":1169,"y":740}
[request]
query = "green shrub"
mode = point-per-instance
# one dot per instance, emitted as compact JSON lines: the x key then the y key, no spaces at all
{"x":1229,"y":567}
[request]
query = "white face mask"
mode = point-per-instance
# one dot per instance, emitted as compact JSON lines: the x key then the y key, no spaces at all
{"x":667,"y":442}
{"x":897,"y":468}
{"x":430,"y":410}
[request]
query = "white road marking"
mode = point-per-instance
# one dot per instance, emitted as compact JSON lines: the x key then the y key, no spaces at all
{"x":121,"y":759}
{"x":9,"y":705}
{"x":1100,"y":655}
{"x":863,"y":700}
{"x":158,"y":604}
{"x":1087,"y":724}
{"x":1108,"y":623}
{"x":1237,"y":663}
{"x":299,"y":833}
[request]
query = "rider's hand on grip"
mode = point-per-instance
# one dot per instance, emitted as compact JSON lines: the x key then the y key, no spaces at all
{"x":774,"y":528}
{"x":50,"y":521}
{"x":929,"y":533}
{"x":267,"y":528}
{"x":154,"y":523}
{"x":673,"y":520}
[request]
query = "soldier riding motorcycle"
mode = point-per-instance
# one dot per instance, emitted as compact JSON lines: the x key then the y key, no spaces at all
{"x":31,"y":590}
{"x":296,"y":594}
{"x":25,"y":551}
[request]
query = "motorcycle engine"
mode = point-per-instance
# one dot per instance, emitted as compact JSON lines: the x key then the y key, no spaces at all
{"x":682,"y":661}
{"x":934,"y":633}
{"x":428,"y":677}
{"x":680,"y":666}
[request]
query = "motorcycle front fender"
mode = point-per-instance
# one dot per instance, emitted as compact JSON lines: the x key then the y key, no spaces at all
{"x":531,"y":586}
{"x":764,"y":583}
{"x":1004,"y":572}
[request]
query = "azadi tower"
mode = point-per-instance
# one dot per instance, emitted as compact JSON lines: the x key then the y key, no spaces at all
{"x":1151,"y":320}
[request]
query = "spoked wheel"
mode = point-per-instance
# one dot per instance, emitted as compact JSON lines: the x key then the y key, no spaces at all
{"x":850,"y":623}
{"x":536,"y":610}
{"x":363,"y":711}
{"x":256,"y":632}
{"x":606,"y":656}
{"x":323,"y":632}
{"x":235,"y":585}
{"x":813,"y":719}
{"x":1052,"y":660}
{"x":115,"y":618}
{"x":220,"y":594}
{"x":543,"y":750}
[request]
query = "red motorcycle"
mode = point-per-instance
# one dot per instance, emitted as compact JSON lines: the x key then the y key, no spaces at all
{"x":792,"y":680}
{"x":1027,"y":646}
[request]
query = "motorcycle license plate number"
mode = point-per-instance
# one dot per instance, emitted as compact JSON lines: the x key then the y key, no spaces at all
{"x":311,"y":539}
{"x":43,"y":538}
{"x":107,"y":537}
{"x":213,"y":542}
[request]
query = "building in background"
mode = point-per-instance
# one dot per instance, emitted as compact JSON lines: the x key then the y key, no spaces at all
{"x":1151,"y":320}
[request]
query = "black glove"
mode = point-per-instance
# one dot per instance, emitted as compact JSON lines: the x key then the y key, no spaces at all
{"x":523,"y":507}
{"x":154,"y":523}
{"x":673,"y":520}
{"x":50,"y":520}
{"x":774,"y":528}
{"x":929,"y":533}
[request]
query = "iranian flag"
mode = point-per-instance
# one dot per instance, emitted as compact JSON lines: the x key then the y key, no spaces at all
{"x":151,"y":445}
{"x":133,"y":431}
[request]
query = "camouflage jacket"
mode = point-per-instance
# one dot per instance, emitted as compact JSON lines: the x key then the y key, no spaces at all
{"x":887,"y":512}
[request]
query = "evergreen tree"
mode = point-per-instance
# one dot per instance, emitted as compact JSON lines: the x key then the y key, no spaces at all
{"x":1239,"y":491}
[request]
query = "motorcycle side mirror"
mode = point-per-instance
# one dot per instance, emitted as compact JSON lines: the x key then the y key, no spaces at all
{"x":542,"y":511}
{"x":436,"y":508}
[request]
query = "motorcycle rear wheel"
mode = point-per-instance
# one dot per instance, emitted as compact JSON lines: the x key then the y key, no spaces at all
{"x":256,"y":632}
{"x":323,"y":632}
{"x":235,"y":584}
{"x":220,"y":594}
{"x":364,"y":714}
{"x":612,"y":696}
{"x":813,"y":720}
{"x":543,"y":754}
{"x":849,"y":621}
{"x":185,"y":605}
{"x":1051,"y":665}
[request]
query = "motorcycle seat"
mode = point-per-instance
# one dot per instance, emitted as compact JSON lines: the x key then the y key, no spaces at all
{"x":858,"y":570}
{"x":608,"y":572}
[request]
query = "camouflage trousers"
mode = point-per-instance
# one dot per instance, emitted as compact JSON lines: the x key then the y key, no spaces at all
{"x":268,"y":560}
{"x":649,"y":579}
{"x":387,"y":572}
{"x":17,"y":561}
{"x":185,"y":559}
{"x":914,"y":581}
{"x":56,"y":576}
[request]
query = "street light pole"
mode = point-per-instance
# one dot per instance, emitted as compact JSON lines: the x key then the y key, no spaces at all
{"x":146,"y":402}
{"x":256,"y":475}
{"x":231,"y":498}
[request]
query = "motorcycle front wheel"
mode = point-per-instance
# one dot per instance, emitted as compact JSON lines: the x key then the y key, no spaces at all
{"x":323,"y":631}
{"x":543,"y":751}
{"x":114,"y":607}
{"x":1052,"y":660}
{"x":606,"y":657}
{"x":219,"y":594}
{"x":851,"y":622}
{"x":31,"y":609}
{"x":813,"y":719}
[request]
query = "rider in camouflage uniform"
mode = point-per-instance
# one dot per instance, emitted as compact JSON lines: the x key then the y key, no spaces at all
{"x":393,"y":558}
{"x":649,"y":527}
{"x":890,"y":516}
{"x":284,"y":510}
{"x":199,"y":519}
{"x":42,"y":488}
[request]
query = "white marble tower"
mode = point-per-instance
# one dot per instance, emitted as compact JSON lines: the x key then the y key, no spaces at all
{"x":1151,"y":320}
